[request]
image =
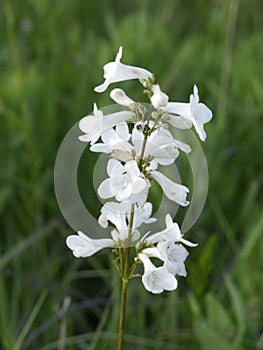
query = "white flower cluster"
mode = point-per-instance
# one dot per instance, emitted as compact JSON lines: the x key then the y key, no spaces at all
{"x":135,"y":155}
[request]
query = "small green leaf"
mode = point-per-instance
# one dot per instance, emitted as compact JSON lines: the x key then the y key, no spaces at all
{"x":218,"y":317}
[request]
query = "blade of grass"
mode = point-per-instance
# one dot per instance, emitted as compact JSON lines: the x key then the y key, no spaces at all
{"x":31,"y":319}
{"x":27,"y":242}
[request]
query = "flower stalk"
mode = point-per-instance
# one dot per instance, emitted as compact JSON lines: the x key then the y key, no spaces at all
{"x":134,"y":157}
{"x":122,"y":312}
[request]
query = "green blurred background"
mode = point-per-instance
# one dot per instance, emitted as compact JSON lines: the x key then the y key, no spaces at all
{"x":51,"y":57}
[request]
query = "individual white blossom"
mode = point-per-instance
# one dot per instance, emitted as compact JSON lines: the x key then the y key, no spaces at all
{"x":160,"y":146}
{"x":194,"y":111}
{"x":83,"y":246}
{"x":119,"y":215}
{"x":114,"y":140}
{"x":116,"y":71}
{"x":156,"y":279}
{"x":173,"y":255}
{"x":94,"y":125}
{"x":116,"y":213}
{"x":125,"y":182}
{"x":142,"y":214}
{"x":176,"y":255}
{"x":175,"y":192}
{"x":171,"y":233}
{"x":178,"y":122}
{"x":119,"y":96}
{"x":159,"y":98}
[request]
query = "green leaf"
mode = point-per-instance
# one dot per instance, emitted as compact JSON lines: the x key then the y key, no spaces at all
{"x":209,"y":339}
{"x":239,"y":308}
{"x":252,"y":239}
{"x":218,"y":317}
{"x":30,"y":320}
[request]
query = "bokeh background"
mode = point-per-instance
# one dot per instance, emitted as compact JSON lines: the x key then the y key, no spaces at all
{"x":51,"y":57}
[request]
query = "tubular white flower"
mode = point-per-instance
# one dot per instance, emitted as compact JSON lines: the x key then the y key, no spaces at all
{"x":122,"y":237}
{"x":201,"y":114}
{"x":119,"y":214}
{"x":142,"y":214}
{"x":94,"y":125}
{"x":181,"y":109}
{"x":175,"y":192}
{"x":125,"y":182}
{"x":114,"y":140}
{"x":176,"y":255}
{"x":115,"y":213}
{"x":159,"y":98}
{"x":166,"y":137}
{"x":83,"y":246}
{"x":194,"y":111}
{"x":179,"y":122}
{"x":172,"y":233}
{"x":119,"y":96}
{"x":160,"y":145}
{"x":156,"y":279}
{"x":117,"y":71}
{"x":173,"y":255}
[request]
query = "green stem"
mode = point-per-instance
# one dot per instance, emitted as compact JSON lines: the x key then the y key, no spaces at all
{"x":126,"y":275}
{"x":122,"y":313}
{"x":143,"y":150}
{"x":125,"y":280}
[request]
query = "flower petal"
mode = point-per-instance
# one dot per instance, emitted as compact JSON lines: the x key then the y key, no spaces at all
{"x":100,"y":147}
{"x":159,"y":98}
{"x":114,"y":168}
{"x":179,"y":108}
{"x":168,"y":220}
{"x":132,"y":168}
{"x":119,"y":96}
{"x":105,"y":190}
{"x":84,"y":246}
{"x":175,"y":192}
{"x":116,"y":71}
{"x":138,"y":185}
{"x":179,"y":122}
{"x":188,"y":243}
{"x":122,"y":131}
{"x":109,"y":137}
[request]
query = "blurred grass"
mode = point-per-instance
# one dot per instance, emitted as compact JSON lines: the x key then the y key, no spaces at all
{"x":51,"y":57}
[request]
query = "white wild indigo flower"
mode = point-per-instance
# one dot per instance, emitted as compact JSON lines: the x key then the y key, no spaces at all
{"x":156,"y":279}
{"x":195,"y":112}
{"x":94,"y":125}
{"x":161,"y":147}
{"x":159,"y":98}
{"x":119,"y":96}
{"x":119,"y":215}
{"x":173,"y":255}
{"x":84,"y":246}
{"x":171,"y":233}
{"x":116,"y":71}
{"x":135,"y":152}
{"x":114,"y":140}
{"x":175,"y":192}
{"x":125,"y":182}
